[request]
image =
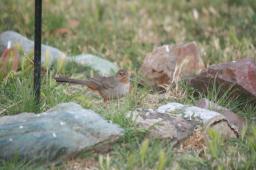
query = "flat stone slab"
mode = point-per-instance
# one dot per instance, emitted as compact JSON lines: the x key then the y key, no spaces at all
{"x":57,"y":134}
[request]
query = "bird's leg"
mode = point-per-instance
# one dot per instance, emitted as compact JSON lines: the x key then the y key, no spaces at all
{"x":106,"y":102}
{"x":118,"y":103}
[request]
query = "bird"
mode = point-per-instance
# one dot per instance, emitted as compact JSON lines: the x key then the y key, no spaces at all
{"x":111,"y":87}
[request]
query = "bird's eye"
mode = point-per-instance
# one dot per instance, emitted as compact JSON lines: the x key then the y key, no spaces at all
{"x":122,"y":73}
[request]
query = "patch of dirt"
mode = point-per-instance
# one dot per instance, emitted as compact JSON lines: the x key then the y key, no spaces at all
{"x":82,"y":164}
{"x":171,"y":94}
{"x":195,"y":142}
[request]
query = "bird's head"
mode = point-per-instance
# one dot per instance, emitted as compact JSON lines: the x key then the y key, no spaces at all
{"x":123,"y":76}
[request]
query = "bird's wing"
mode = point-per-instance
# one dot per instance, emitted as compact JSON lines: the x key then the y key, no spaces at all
{"x":102,"y":82}
{"x":108,"y":82}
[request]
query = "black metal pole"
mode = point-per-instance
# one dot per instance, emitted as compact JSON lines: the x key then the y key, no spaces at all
{"x":37,"y":51}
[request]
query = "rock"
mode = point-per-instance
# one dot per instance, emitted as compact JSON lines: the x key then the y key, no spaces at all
{"x":57,"y":134}
{"x":28,"y":46}
{"x":210,"y":119}
{"x":239,"y":77}
{"x":235,"y":120}
{"x":51,"y":54}
{"x":171,"y":63}
{"x":177,"y":122}
{"x":103,"y":66}
{"x":163,"y":125}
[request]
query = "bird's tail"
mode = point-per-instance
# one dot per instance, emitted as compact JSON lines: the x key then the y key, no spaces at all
{"x":89,"y":83}
{"x":71,"y":81}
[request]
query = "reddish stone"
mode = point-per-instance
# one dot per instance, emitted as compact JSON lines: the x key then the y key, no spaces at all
{"x":237,"y":76}
{"x":171,"y":63}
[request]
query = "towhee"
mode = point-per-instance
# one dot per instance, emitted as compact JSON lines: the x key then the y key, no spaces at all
{"x":112,"y":87}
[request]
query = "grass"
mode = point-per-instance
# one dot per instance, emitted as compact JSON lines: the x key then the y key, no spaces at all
{"x":124,"y":32}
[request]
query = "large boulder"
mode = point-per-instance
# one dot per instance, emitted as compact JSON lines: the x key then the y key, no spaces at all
{"x":54,"y":135}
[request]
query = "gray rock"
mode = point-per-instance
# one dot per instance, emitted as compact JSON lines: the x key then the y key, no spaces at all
{"x":234,"y":119}
{"x":28,"y":46}
{"x":102,"y":66}
{"x":208,"y":118}
{"x":163,"y":125}
{"x":177,"y":122}
{"x":59,"y":133}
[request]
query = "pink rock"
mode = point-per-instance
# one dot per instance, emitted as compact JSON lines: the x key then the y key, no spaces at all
{"x":239,"y":75}
{"x":171,"y":63}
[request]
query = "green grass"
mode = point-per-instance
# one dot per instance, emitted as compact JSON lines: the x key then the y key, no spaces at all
{"x":124,"y":32}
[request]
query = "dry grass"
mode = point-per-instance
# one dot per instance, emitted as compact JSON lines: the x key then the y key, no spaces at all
{"x":124,"y":32}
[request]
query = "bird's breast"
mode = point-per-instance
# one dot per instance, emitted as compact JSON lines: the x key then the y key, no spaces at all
{"x":123,"y":89}
{"x":119,"y":91}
